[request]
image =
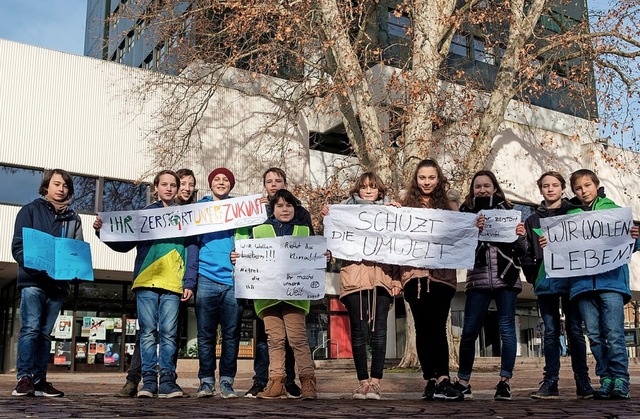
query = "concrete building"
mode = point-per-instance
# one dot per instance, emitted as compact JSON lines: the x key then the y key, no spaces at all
{"x":80,"y":115}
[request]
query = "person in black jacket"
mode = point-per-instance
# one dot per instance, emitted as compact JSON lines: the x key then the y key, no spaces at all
{"x":41,"y":295}
{"x":551,"y":292}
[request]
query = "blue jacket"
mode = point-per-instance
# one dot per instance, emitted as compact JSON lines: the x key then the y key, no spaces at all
{"x":166,"y":264}
{"x":41,"y":215}
{"x":215,"y":254}
{"x":616,"y":280}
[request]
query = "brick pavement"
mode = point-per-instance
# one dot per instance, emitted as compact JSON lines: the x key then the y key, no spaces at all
{"x":90,"y":395}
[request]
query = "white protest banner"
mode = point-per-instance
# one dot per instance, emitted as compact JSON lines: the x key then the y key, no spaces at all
{"x":417,"y":237}
{"x":281,"y":268}
{"x":182,"y":220}
{"x":499,"y":225}
{"x":587,"y":243}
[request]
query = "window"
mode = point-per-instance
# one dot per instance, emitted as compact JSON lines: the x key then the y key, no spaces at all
{"x":482,"y":53}
{"x":19,"y":185}
{"x":119,"y":196}
{"x":459,"y":45}
{"x":398,"y":25}
{"x":84,"y":196}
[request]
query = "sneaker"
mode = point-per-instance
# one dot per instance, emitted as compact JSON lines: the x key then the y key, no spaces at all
{"x":604,"y":392}
{"x":205,"y":390}
{"x":149,"y":389}
{"x":43,"y":388}
{"x":374,"y":392}
{"x":309,"y":389}
{"x":24,"y":387}
{"x":446,"y":391}
{"x":429,"y":390}
{"x":583,"y":388}
{"x":465,"y":390}
{"x":360,"y":393}
{"x":254,"y":390}
{"x":293,"y":391}
{"x":547,"y":390}
{"x":503,"y":391}
{"x":169,"y":389}
{"x":129,"y":389}
{"x":620,"y":389}
{"x":227,"y":391}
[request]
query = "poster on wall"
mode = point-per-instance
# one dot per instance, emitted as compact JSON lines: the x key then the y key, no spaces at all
{"x":131,"y":327}
{"x":85,"y":331}
{"x":129,"y":348}
{"x":81,"y":350}
{"x":111,"y":356}
{"x":62,"y":355}
{"x":117,"y":325}
{"x":98,"y":328}
{"x":108,"y":323}
{"x":100,"y":347}
{"x":63,"y":327}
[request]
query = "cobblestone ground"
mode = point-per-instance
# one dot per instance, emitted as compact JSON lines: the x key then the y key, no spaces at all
{"x":91,"y":396}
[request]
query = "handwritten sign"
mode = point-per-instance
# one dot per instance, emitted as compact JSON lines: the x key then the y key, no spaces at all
{"x":63,"y":259}
{"x":417,"y":237}
{"x":282,"y":268}
{"x":182,"y":220}
{"x":499,"y":226}
{"x":587,"y":243}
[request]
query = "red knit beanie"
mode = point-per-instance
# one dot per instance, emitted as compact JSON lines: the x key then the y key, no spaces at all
{"x":222,"y":171}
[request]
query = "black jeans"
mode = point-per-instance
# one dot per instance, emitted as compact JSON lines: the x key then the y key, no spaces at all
{"x":360,"y":306}
{"x":430,"y":308}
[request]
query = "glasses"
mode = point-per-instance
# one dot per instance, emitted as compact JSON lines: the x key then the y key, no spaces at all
{"x":372,"y":187}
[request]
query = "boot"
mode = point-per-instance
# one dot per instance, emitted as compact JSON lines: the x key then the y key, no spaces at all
{"x":275,"y":389}
{"x":130,"y":389}
{"x":168,"y":387}
{"x":309,"y":391}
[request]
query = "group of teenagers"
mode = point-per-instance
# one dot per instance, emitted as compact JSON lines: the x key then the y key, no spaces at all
{"x":169,"y":271}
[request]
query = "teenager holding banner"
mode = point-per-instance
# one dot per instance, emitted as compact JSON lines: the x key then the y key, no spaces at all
{"x":186,"y":195}
{"x":495,"y":276}
{"x":284,"y":319}
{"x":41,"y":296}
{"x":164,"y":274}
{"x":601,"y":299}
{"x":429,"y":291}
{"x":274,"y":179}
{"x":367,"y":290}
{"x":216,"y":303}
{"x":553,"y":291}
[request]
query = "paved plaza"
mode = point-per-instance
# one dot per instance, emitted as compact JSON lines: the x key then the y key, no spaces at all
{"x":90,"y":395}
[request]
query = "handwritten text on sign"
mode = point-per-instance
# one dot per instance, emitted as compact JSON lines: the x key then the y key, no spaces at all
{"x":183,"y":220}
{"x":402,"y":236}
{"x":587,"y":243}
{"x":499,"y":226}
{"x":282,"y":268}
{"x":62,"y":258}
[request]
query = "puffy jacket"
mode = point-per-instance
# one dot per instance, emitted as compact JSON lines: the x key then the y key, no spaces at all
{"x":167,"y":264}
{"x":616,"y":280}
{"x":533,"y":260}
{"x":365,"y":275}
{"x":496,"y":265}
{"x":41,"y":215}
{"x":279,"y":229}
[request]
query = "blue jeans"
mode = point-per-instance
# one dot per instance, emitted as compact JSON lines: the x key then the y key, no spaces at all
{"x":158,"y":319}
{"x":603,"y":314}
{"x":216,"y":304}
{"x":549,"y":305}
{"x":475,"y":311}
{"x":38,"y":313}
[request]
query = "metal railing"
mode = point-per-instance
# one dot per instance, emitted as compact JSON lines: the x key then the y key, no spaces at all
{"x":323,"y":345}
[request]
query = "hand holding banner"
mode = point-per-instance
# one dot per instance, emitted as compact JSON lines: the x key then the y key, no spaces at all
{"x":587,"y":243}
{"x":499,"y":226}
{"x":281,"y":268}
{"x":420,"y":237}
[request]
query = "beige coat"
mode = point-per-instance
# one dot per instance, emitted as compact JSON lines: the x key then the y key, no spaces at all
{"x":360,"y":276}
{"x":444,"y":276}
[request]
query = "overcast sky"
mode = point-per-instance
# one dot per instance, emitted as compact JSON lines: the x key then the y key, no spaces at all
{"x":53,"y":24}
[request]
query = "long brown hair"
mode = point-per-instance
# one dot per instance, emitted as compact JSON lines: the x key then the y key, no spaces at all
{"x":413,"y":196}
